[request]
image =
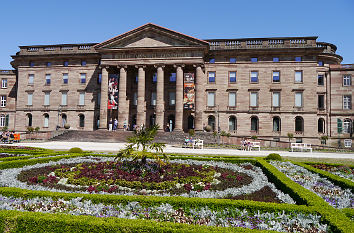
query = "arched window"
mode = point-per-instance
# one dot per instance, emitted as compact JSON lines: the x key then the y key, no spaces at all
{"x":81,"y":120}
{"x":2,"y":120}
{"x":321,"y":125}
{"x":232,"y":123}
{"x":347,"y":126}
{"x":29,"y":119}
{"x":46,"y":120}
{"x":211,"y":122}
{"x":254,"y":123}
{"x":299,"y":124}
{"x":276,"y":124}
{"x":64,"y":119}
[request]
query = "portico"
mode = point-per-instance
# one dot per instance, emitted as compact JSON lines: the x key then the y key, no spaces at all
{"x":150,"y":63}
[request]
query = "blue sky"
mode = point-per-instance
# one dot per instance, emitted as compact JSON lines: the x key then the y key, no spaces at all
{"x":34,"y":22}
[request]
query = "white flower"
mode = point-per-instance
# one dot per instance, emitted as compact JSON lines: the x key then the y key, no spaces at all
{"x":63,"y":181}
{"x":218,"y":174}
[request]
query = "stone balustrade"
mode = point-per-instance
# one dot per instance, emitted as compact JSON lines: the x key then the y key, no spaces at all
{"x":57,"y":49}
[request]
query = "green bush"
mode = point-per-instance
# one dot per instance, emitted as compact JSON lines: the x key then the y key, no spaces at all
{"x":273,"y":156}
{"x":75,"y":150}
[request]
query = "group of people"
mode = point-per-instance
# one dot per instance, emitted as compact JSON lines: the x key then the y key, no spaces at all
{"x":246,"y":144}
{"x":188,"y":141}
{"x":113,"y":124}
{"x":7,"y":136}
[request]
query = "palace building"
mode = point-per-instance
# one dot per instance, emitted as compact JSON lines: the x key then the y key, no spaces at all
{"x":267,"y":87}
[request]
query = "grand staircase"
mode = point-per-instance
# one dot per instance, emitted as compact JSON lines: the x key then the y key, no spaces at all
{"x":173,"y":138}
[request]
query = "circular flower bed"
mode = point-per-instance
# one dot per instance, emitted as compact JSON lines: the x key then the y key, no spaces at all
{"x":333,"y":194}
{"x":342,"y":171}
{"x":188,"y":178}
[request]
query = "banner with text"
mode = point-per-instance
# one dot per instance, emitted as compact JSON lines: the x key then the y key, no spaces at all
{"x":113,"y":91}
{"x":188,"y":97}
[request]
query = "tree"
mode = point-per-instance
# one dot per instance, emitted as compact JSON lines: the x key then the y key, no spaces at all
{"x":290,"y":136}
{"x":141,"y":144}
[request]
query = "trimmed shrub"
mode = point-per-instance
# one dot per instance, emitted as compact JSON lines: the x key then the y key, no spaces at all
{"x":273,"y":156}
{"x":207,"y":128}
{"x":75,"y":150}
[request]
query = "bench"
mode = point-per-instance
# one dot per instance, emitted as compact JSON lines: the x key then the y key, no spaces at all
{"x":256,"y":145}
{"x":301,"y":146}
{"x":198,"y":143}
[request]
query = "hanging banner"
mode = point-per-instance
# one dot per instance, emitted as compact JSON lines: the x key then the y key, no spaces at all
{"x":113,"y":91}
{"x":188,"y":97}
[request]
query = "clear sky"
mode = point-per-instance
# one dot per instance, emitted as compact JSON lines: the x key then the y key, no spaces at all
{"x":24,"y":22}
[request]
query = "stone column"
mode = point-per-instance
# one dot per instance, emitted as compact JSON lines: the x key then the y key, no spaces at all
{"x":141,"y":108}
{"x":123,"y":107}
{"x":179,"y":98}
{"x":104,"y":99}
{"x":160,"y":100}
{"x":199,"y":98}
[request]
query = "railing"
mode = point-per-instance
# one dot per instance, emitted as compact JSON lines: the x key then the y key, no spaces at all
{"x":49,"y":49}
{"x":84,"y":47}
{"x":32,"y":49}
{"x":67,"y":48}
{"x":58,"y":48}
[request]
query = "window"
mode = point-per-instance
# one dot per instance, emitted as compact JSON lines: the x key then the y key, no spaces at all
{"x":46,"y":121}
{"x":82,"y":78}
{"x":347,"y":102}
{"x":232,"y":77}
{"x":66,"y":63}
{"x":339,"y":125}
{"x":298,"y":140}
{"x":275,"y":59}
{"x":65,"y":78}
{"x":254,"y":99}
{"x":232,"y":60}
{"x":320,"y":80}
{"x":135,"y":99}
{"x":64,"y":98}
{"x":2,"y":120}
{"x":347,"y":80}
{"x":232,"y":123}
{"x":299,"y":124}
{"x":173,"y":77}
{"x":254,"y":59}
{"x":321,"y":125}
{"x":172,"y":98}
{"x":49,"y":64}
{"x":211,"y":122}
{"x":276,"y":76}
{"x":153,"y":98}
{"x":29,"y":119}
{"x":232,"y":99}
{"x":254,"y":123}
{"x":276,"y":124}
{"x":82,"y":98}
{"x":211,"y":76}
{"x":298,"y":76}
{"x":46,"y":98}
{"x":30,"y":78}
{"x":254,"y":77}
{"x":82,"y":120}
{"x":31,"y":64}
{"x":47,"y":79}
{"x":154,"y":78}
{"x":99,"y":80}
{"x":3,"y":101}
{"x":298,"y":99}
{"x":29,"y":99}
{"x":276,"y":99}
{"x":320,"y":63}
{"x":4,"y":83}
{"x":137,"y":78}
{"x":211,"y":99}
{"x":297,"y":58}
{"x":83,"y":63}
{"x":320,"y":103}
{"x":212,"y":60}
{"x":347,"y":126}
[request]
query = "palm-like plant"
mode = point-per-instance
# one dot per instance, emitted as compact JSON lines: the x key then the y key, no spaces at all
{"x":141,"y":144}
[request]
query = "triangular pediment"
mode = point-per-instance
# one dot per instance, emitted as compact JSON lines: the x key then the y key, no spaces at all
{"x":151,"y":36}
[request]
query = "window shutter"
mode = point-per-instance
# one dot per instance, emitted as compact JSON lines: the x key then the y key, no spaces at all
{"x":339,"y":125}
{"x":7,"y":121}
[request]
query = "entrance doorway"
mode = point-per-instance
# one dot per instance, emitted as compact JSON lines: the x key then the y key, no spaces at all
{"x":171,"y":122}
{"x":152,"y":120}
{"x":133,"y":122}
{"x":190,"y":122}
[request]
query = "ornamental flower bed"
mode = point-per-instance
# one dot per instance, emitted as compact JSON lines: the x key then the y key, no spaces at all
{"x":333,"y":194}
{"x":226,"y":217}
{"x":187,"y":178}
{"x":6,"y":155}
{"x":342,"y":171}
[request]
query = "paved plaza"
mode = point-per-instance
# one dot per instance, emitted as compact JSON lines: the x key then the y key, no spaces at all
{"x":114,"y":147}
